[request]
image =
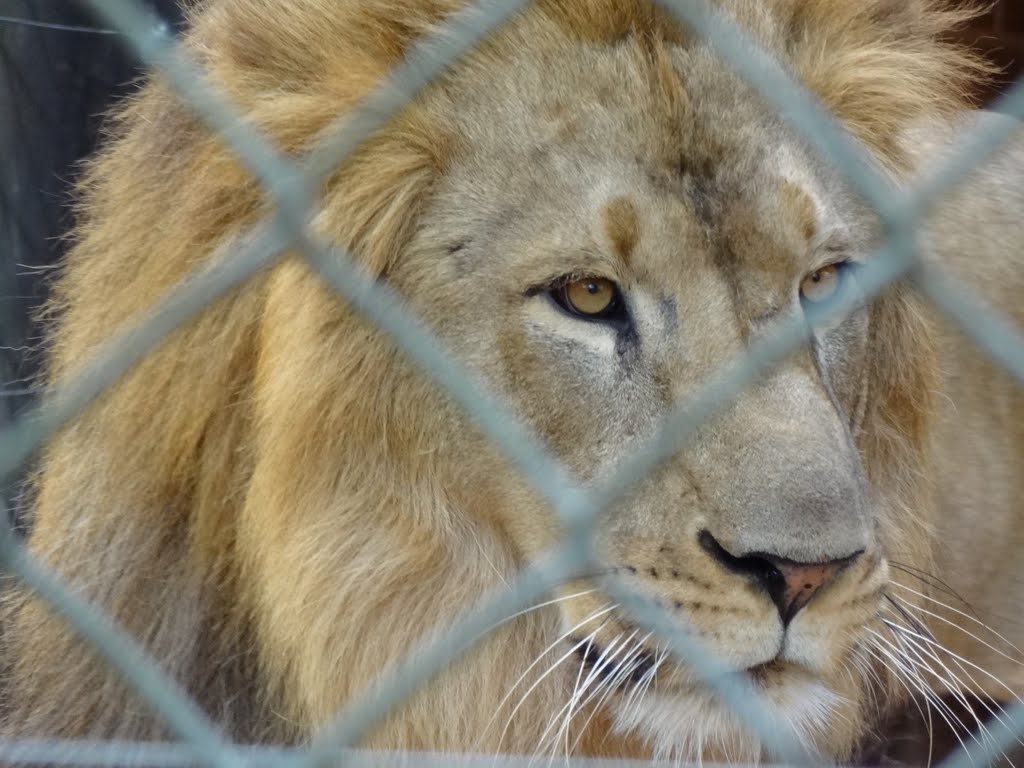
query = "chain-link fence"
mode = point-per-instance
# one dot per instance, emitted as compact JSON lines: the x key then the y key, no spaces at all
{"x":290,"y":187}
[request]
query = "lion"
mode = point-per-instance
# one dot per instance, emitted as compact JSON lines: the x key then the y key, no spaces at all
{"x":594,"y":213}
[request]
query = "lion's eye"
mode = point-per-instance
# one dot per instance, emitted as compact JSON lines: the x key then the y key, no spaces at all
{"x":821,"y":284}
{"x":595,"y":297}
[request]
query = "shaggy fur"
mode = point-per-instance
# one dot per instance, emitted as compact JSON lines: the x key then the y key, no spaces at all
{"x":277,"y":506}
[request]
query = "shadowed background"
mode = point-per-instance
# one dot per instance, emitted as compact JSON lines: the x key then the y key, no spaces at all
{"x":59,"y":72}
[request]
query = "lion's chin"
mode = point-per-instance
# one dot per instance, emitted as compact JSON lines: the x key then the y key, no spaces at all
{"x":697,"y":726}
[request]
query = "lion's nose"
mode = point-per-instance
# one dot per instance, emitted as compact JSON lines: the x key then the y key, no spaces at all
{"x":789,"y":584}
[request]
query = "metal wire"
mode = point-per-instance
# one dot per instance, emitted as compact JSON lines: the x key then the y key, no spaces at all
{"x":289,"y":187}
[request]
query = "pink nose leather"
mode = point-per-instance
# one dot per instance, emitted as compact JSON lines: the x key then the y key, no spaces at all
{"x":803,"y":580}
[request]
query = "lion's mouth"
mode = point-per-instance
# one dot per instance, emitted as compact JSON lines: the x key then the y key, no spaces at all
{"x":624,"y":670}
{"x":611,"y":669}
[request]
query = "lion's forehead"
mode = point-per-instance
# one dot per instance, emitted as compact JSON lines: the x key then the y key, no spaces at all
{"x":584,"y":157}
{"x":707,"y":220}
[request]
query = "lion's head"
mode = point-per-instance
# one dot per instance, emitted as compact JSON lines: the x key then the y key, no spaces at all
{"x":595,"y":214}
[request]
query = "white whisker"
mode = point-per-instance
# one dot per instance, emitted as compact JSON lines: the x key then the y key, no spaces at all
{"x":957,"y":626}
{"x":953,"y":684}
{"x":603,"y":660}
{"x":926,"y":713}
{"x":899,"y":678}
{"x":625,"y":669}
{"x":935,"y":643}
{"x":532,"y":608}
{"x":645,"y":681}
{"x":576,"y":685}
{"x":914,"y":678}
{"x":977,"y":693}
{"x":863,"y":665}
{"x":910,"y":677}
{"x":540,"y":657}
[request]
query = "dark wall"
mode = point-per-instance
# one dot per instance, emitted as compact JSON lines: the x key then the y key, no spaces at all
{"x":59,"y":71}
{"x":999,"y":34}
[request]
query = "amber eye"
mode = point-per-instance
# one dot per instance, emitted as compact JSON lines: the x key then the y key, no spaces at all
{"x":590,"y":296}
{"x":821,"y":284}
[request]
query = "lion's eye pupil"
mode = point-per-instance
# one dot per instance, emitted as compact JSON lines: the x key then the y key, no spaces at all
{"x":821,"y":284}
{"x":590,"y":296}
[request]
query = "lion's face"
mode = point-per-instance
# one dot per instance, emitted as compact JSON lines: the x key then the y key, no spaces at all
{"x":599,"y":248}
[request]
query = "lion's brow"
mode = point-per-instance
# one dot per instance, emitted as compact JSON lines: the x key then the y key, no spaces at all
{"x":622,"y":226}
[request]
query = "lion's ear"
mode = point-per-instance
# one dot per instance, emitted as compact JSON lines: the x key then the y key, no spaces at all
{"x":879,"y":65}
{"x":372,"y":203}
{"x":294,"y":78}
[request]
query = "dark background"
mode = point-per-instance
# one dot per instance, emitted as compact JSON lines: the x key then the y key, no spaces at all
{"x":999,"y":34}
{"x":60,"y":70}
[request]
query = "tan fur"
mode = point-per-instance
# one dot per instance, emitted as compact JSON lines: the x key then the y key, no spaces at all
{"x":622,"y":227}
{"x":801,"y":207}
{"x":978,"y":436}
{"x":279,"y":507}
